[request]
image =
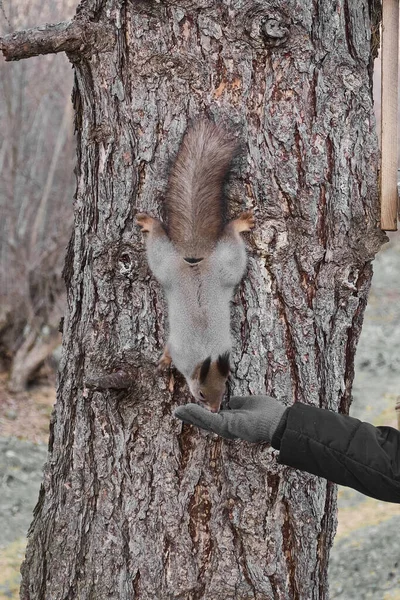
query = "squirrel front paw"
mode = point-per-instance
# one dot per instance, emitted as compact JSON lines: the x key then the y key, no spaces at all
{"x":165,"y":360}
{"x":245,"y":222}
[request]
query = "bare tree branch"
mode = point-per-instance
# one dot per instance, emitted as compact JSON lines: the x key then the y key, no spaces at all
{"x":3,"y":12}
{"x":38,"y":224}
{"x":68,"y":36}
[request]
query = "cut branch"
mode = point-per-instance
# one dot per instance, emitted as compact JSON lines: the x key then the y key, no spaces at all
{"x":119,"y":380}
{"x":68,"y":36}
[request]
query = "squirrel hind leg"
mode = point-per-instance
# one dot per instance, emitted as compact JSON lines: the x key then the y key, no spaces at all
{"x":149,"y":224}
{"x":245,"y":222}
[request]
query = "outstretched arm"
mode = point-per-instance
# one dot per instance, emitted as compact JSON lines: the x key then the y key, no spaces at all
{"x":341,"y":449}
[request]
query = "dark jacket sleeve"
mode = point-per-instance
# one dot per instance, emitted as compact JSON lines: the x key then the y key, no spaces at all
{"x":341,"y":449}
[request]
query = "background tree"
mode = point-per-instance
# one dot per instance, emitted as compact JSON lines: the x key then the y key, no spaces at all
{"x":133,"y":505}
{"x":36,"y":185}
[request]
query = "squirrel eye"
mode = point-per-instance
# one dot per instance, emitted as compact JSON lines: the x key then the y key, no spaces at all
{"x":202,"y":395}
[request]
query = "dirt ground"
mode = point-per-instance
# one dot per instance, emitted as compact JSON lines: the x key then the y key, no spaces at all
{"x":365,"y":558}
{"x":26,"y":416}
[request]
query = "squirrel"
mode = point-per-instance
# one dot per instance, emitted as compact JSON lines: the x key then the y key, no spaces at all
{"x":199,"y":258}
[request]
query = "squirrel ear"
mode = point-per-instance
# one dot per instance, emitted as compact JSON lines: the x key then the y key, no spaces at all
{"x":223,"y":364}
{"x":205,"y":367}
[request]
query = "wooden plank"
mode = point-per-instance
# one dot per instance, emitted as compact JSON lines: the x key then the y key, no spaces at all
{"x":389,"y":111}
{"x":398,"y":412}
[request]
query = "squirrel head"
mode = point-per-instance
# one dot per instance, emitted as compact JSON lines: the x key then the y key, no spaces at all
{"x":208,"y":384}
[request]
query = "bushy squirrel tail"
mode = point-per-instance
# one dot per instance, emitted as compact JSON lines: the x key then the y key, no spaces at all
{"x":195,"y":202}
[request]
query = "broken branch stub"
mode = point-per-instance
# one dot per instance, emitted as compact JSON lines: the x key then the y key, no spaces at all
{"x":75,"y":36}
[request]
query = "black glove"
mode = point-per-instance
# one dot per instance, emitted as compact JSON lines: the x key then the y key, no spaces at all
{"x":252,"y":418}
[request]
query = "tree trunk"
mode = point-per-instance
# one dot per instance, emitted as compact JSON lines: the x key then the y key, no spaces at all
{"x":133,"y":504}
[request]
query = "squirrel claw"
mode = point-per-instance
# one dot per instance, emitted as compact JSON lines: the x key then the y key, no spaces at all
{"x":149,"y":224}
{"x":245,"y":222}
{"x":144,"y":221}
{"x":163,"y":363}
{"x":165,"y":360}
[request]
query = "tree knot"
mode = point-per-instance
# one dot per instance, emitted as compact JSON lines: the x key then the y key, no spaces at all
{"x":266,"y":28}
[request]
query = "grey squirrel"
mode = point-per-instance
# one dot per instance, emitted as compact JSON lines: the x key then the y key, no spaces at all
{"x":199,"y":259}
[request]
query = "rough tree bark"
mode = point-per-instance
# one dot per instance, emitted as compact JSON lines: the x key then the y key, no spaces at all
{"x":133,"y":505}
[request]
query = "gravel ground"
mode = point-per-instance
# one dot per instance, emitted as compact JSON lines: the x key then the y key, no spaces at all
{"x":20,"y":477}
{"x":365,"y":565}
{"x":365,"y":558}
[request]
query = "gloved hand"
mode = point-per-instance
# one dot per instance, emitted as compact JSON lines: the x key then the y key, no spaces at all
{"x":252,"y":418}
